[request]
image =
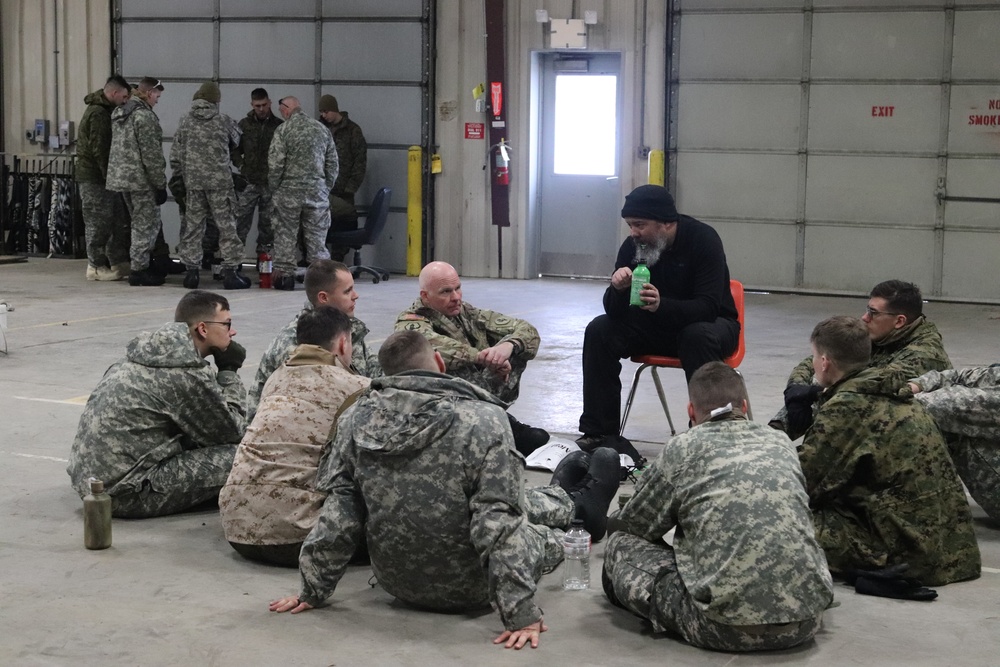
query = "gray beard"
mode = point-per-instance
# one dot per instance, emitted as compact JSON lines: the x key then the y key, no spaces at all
{"x":649,"y":254}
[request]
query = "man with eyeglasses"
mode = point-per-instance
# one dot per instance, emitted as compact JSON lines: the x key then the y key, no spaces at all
{"x":161,"y":427}
{"x":905,"y":344}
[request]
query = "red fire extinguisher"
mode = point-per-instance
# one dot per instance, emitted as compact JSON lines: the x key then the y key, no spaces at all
{"x":501,"y":174}
{"x":264,"y":268}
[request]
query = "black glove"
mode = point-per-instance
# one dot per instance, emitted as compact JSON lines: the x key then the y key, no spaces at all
{"x":230,"y":359}
{"x":161,"y":196}
{"x":239,"y":182}
{"x":799,"y":399}
{"x":891,"y":582}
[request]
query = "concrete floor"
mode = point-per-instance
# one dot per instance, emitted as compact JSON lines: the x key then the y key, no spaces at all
{"x":172,"y":591}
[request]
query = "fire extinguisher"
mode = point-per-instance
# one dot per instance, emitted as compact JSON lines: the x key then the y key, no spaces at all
{"x":264,"y":268}
{"x":501,"y":174}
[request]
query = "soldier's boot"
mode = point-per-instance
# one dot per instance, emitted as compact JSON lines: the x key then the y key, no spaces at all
{"x":593,"y":494}
{"x":92,"y":272}
{"x":282,"y":282}
{"x":571,"y":470}
{"x":231,"y":279}
{"x":192,"y":277}
{"x":145,"y":278}
{"x":527,"y":438}
{"x":116,"y":272}
{"x":163,"y":265}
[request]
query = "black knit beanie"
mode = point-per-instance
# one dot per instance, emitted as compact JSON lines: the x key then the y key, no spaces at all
{"x":650,"y":202}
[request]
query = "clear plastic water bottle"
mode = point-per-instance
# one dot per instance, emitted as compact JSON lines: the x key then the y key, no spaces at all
{"x":576,"y":557}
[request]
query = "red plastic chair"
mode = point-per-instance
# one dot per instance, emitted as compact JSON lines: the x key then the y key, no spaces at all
{"x":655,"y":362}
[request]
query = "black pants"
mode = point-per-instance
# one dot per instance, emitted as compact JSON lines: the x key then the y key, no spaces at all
{"x":608,"y":341}
{"x":285,"y":555}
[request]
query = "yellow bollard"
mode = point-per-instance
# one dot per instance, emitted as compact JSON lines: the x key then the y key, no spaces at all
{"x":657,"y":175}
{"x":414,"y":211}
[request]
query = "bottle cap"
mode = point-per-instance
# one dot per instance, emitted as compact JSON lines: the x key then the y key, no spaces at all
{"x":576,"y":523}
{"x":96,"y":485}
{"x":623,"y":499}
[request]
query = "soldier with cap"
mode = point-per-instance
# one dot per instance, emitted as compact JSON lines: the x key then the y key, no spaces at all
{"x":352,"y":152}
{"x":302,"y":168}
{"x":161,"y":428}
{"x":744,"y":571}
{"x":200,"y":156}
{"x":136,"y":168}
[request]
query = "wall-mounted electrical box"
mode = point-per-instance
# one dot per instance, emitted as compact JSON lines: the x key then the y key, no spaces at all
{"x":66,"y":135}
{"x":41,"y":130}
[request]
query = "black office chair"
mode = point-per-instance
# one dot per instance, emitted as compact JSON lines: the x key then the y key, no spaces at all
{"x":378,"y":212}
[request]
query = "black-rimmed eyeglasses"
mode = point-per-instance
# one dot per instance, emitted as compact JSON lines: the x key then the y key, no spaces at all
{"x":872,"y":312}
{"x":228,"y":325}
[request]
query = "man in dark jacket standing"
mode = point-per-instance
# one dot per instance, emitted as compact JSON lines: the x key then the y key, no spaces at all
{"x":257,"y":129}
{"x":352,"y":152}
{"x":108,"y":235}
{"x":688,"y":313}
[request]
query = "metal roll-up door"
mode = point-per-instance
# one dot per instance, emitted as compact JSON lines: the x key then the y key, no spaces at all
{"x":831,"y":145}
{"x":375,"y":57}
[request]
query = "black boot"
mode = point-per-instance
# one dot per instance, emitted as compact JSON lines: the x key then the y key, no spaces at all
{"x":231,"y":279}
{"x":527,"y":438}
{"x":164,"y":266}
{"x":145,"y":278}
{"x":571,"y":470}
{"x":282,"y":282}
{"x":192,"y":278}
{"x":594,"y":493}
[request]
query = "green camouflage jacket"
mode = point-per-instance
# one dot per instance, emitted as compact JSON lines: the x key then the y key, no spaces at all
{"x":93,"y":139}
{"x":352,"y":154}
{"x":136,"y":161}
{"x":162,"y":398}
{"x":965,"y":402}
{"x":424,"y":464}
{"x":302,"y":160}
{"x":745,"y":544}
{"x":882,"y":486}
{"x":250,"y":156}
{"x":200,"y":150}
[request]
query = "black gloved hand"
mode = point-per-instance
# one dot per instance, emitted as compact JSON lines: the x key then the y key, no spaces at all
{"x":891,"y":582}
{"x":161,"y":196}
{"x":799,"y":399}
{"x":239,"y":182}
{"x":230,"y":359}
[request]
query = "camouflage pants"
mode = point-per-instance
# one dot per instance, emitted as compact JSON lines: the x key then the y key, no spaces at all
{"x":549,"y":510}
{"x":192,"y":477}
{"x":255,"y":197}
{"x":146,"y":225}
{"x":978,"y":463}
{"x":107,"y":225}
{"x":291,"y":214}
{"x":482,"y":377}
{"x":218,"y":204}
{"x":644,"y":579}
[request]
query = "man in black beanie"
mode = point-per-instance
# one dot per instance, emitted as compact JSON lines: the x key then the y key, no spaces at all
{"x":688,"y":313}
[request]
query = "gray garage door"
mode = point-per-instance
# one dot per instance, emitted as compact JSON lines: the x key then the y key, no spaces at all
{"x":373,"y":56}
{"x":839,"y":145}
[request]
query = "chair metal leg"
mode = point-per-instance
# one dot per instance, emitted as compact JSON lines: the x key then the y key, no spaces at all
{"x":745,"y":393}
{"x":631,"y":396}
{"x":663,"y":400}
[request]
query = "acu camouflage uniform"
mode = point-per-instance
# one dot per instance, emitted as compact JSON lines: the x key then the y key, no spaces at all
{"x":136,"y":168}
{"x":424,"y":465}
{"x":302,"y":168}
{"x":966,"y":406}
{"x":107,"y":228}
{"x":200,"y":156}
{"x":459,"y":339}
{"x":906,"y":353}
{"x":250,"y":157}
{"x":882,"y":487}
{"x":161,"y":428}
{"x":364,"y":361}
{"x":270,"y":497}
{"x":745,"y":572}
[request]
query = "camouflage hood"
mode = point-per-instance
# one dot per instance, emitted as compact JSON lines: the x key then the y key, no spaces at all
{"x":121,"y":114}
{"x":204,"y":110}
{"x":97,"y":97}
{"x":412,"y":410}
{"x":870,"y":382}
{"x":170,"y":346}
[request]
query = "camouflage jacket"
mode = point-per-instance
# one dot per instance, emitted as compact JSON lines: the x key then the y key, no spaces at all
{"x":352,"y":154}
{"x":93,"y":139}
{"x":882,"y":485}
{"x":459,"y":339}
{"x":200,"y":150}
{"x":965,"y":402}
{"x":250,"y":156}
{"x":302,"y":160}
{"x":270,"y":496}
{"x":136,"y":161}
{"x":745,"y":543}
{"x":425,"y":465}
{"x":364,"y":362}
{"x":161,"y":399}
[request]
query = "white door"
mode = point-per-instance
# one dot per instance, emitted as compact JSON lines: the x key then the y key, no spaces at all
{"x":579,"y":192}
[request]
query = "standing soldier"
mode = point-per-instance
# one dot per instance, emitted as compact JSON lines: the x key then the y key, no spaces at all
{"x":250,"y":156}
{"x":136,"y":168}
{"x":200,"y":154}
{"x":352,"y":152}
{"x":302,"y":168}
{"x":106,"y":226}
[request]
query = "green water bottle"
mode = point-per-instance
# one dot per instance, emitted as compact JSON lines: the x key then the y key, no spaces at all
{"x":640,"y":276}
